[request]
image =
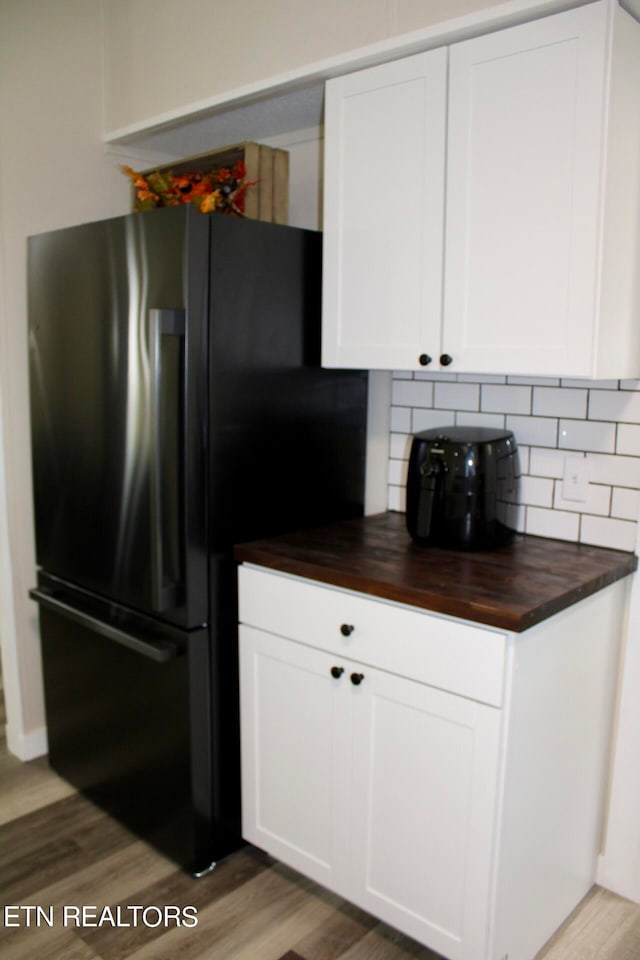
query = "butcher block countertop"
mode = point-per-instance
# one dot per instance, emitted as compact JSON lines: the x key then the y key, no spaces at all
{"x":512,"y":587}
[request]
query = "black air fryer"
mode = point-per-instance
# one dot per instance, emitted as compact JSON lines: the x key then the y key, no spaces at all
{"x":462,"y":487}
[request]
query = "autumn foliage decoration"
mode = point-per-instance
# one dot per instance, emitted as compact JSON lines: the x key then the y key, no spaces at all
{"x":218,"y":191}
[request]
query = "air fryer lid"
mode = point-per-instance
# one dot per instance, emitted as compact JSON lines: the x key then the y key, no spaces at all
{"x":465,"y":435}
{"x":472,"y":454}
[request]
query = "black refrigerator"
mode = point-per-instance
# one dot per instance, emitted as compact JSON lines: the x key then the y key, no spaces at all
{"x":177,"y":407}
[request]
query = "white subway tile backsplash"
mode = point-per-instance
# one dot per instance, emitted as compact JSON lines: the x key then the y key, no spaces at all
{"x":585,"y":435}
{"x":552,"y":523}
{"x":536,"y":381}
{"x":605,"y":532}
{"x":400,"y":420}
{"x":519,"y":518}
{"x":536,"y":491}
{"x":456,"y":396}
{"x":399,"y":446}
{"x":411,"y":393}
{"x":536,"y":431}
{"x":559,"y":402}
{"x":616,"y":471}
{"x":428,"y":419}
{"x":589,"y":384}
{"x":628,"y":441}
{"x":617,"y":405}
{"x":397,"y":472}
{"x":524,"y":456}
{"x":435,"y":375}
{"x":551,"y":418}
{"x":397,"y":499}
{"x":625,"y":504}
{"x":480,"y":378}
{"x":505,"y":399}
{"x":546,"y":463}
{"x":466,"y":419}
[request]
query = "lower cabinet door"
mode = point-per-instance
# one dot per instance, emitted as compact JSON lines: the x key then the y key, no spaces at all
{"x":425,"y":767}
{"x":295,"y":755}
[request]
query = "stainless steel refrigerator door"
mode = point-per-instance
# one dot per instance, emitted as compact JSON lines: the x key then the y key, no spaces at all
{"x":117,"y":328}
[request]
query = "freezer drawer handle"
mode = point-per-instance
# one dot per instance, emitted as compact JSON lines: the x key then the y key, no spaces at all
{"x":161,"y":653}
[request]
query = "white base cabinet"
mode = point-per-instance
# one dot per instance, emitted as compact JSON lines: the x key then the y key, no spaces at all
{"x":472,"y":826}
{"x":482,"y":204}
{"x":334,"y":785}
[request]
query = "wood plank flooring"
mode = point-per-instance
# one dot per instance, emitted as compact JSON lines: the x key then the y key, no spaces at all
{"x":57,"y":850}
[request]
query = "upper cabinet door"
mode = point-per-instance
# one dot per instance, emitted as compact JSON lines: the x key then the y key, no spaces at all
{"x":383,"y":214}
{"x":523,"y":196}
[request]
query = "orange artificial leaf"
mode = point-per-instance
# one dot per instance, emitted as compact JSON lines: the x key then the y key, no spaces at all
{"x":210,"y":202}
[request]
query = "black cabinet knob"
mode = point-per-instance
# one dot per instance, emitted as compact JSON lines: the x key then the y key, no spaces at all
{"x":346,"y":629}
{"x":357,"y":678}
{"x":336,"y":672}
{"x":424,"y":359}
{"x":445,"y":359}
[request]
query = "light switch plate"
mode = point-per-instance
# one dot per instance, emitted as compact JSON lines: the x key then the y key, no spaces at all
{"x":575,"y":482}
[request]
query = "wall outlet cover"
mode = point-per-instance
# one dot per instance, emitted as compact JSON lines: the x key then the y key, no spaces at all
{"x":575,"y":482}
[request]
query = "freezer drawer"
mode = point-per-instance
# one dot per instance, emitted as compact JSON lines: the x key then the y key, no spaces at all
{"x":128,"y":721}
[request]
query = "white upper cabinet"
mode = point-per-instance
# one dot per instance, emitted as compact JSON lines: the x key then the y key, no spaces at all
{"x":383,"y":220}
{"x":519,"y":254}
{"x":524,"y":160}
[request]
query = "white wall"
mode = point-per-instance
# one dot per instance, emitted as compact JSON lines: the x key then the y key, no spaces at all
{"x":53,"y":172}
{"x":161,"y":57}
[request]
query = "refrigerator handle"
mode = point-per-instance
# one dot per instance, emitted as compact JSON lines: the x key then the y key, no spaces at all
{"x":165,"y":322}
{"x":160,"y":652}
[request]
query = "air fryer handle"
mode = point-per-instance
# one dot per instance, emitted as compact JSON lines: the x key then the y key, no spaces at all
{"x":431,"y":478}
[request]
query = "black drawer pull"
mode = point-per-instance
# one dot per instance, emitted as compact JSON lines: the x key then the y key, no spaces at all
{"x":336,"y":672}
{"x":357,"y":678}
{"x":346,"y":629}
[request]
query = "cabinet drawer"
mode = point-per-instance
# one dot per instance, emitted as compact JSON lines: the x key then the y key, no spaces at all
{"x":452,"y":655}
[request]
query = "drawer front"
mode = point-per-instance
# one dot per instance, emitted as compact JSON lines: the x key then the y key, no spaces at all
{"x":449,"y":654}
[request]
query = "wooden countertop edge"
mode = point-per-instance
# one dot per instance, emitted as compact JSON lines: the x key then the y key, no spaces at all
{"x":454,"y":606}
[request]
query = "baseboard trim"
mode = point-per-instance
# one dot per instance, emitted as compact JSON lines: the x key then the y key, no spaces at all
{"x":27,"y":746}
